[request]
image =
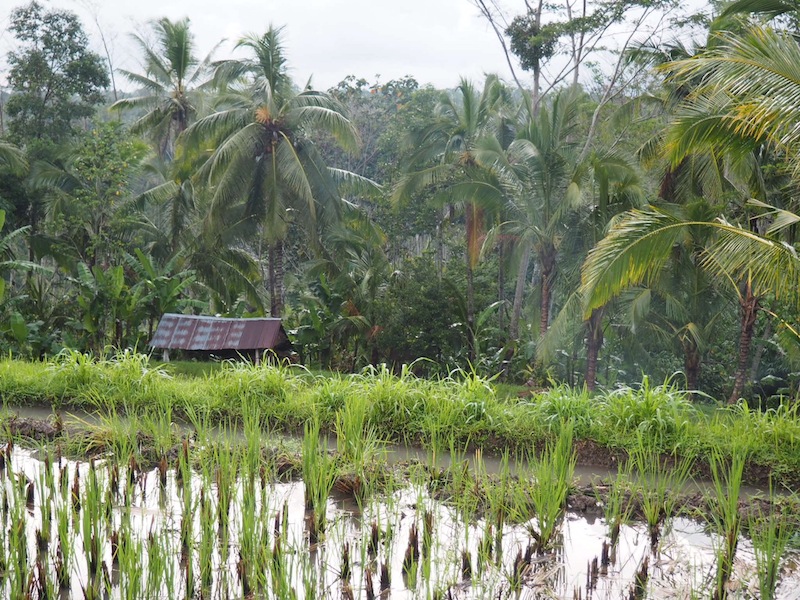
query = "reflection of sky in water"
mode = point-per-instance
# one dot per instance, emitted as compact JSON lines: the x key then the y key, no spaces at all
{"x":683,"y":564}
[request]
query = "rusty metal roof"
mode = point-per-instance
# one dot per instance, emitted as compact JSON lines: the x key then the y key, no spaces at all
{"x":191,"y":332}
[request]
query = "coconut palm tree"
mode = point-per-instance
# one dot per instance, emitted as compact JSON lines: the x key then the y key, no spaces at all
{"x":542,"y":180}
{"x":173,"y":82}
{"x":182,"y":235}
{"x":263,"y":166}
{"x":637,"y":249}
{"x":610,"y":184}
{"x":748,"y":101}
{"x":744,"y":99}
{"x":443,"y":161}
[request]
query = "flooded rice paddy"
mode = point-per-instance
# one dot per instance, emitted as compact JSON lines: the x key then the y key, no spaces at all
{"x":231,"y":526}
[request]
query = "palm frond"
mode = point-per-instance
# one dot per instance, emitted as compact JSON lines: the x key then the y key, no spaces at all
{"x":320,"y":118}
{"x":770,"y":265}
{"x":12,"y":157}
{"x":755,"y":77}
{"x":353,"y":183}
{"x":156,"y":88}
{"x":632,"y":253}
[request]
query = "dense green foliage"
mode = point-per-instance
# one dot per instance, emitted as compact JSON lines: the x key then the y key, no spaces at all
{"x":643,"y":223}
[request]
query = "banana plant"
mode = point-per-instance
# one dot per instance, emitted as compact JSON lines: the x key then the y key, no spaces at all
{"x":107,"y":304}
{"x":160,"y":289}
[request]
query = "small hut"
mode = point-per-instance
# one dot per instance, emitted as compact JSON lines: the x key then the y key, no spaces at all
{"x":219,"y":337}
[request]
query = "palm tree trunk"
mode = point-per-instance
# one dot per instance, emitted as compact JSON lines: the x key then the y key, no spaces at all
{"x":470,"y":313}
{"x":692,"y":365}
{"x":519,"y":291}
{"x":548,"y":260}
{"x":759,"y":352}
{"x":749,"y":306}
{"x":501,"y":284}
{"x":275,"y":260}
{"x":594,"y":341}
{"x":475,"y":237}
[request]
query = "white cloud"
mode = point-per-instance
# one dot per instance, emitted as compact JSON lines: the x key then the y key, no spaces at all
{"x":435,"y":41}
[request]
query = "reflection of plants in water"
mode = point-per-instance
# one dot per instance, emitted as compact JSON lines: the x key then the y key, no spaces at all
{"x":175,"y":540}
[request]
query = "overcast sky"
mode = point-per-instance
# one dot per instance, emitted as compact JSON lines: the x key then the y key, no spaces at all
{"x":436,"y":41}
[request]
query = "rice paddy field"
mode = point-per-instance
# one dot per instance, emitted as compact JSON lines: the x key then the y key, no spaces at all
{"x":123,"y":479}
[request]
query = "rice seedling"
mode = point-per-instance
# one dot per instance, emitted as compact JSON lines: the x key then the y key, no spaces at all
{"x":251,"y":429}
{"x":92,"y":531}
{"x":64,"y":552}
{"x":552,"y":473}
{"x":617,"y":501}
{"x":45,"y":586}
{"x":282,"y":573}
{"x":228,"y":528}
{"x":248,"y":536}
{"x":770,"y":534}
{"x":496,"y":490}
{"x":319,"y":474}
{"x":458,"y":484}
{"x":207,"y":542}
{"x":411,"y":558}
{"x":356,"y":440}
{"x":17,"y":546}
{"x":46,"y":486}
{"x":726,"y":476}
{"x":131,"y":552}
{"x":658,"y":483}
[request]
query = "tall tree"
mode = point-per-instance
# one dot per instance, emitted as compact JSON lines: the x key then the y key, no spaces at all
{"x":54,"y":77}
{"x":173,"y":82}
{"x":89,"y":193}
{"x":56,"y":82}
{"x":444,"y":160}
{"x":263,"y":162}
{"x":541,"y":170}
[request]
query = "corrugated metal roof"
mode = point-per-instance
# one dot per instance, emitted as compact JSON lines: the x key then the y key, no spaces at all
{"x":191,"y":332}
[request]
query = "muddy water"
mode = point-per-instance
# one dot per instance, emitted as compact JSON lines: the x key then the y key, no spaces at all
{"x":682,"y":566}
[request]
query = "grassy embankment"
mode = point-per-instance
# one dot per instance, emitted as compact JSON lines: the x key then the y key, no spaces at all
{"x":457,"y":411}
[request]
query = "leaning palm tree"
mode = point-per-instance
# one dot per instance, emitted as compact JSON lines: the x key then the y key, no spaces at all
{"x":637,"y":249}
{"x":173,"y":84}
{"x":263,"y":163}
{"x":747,"y":98}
